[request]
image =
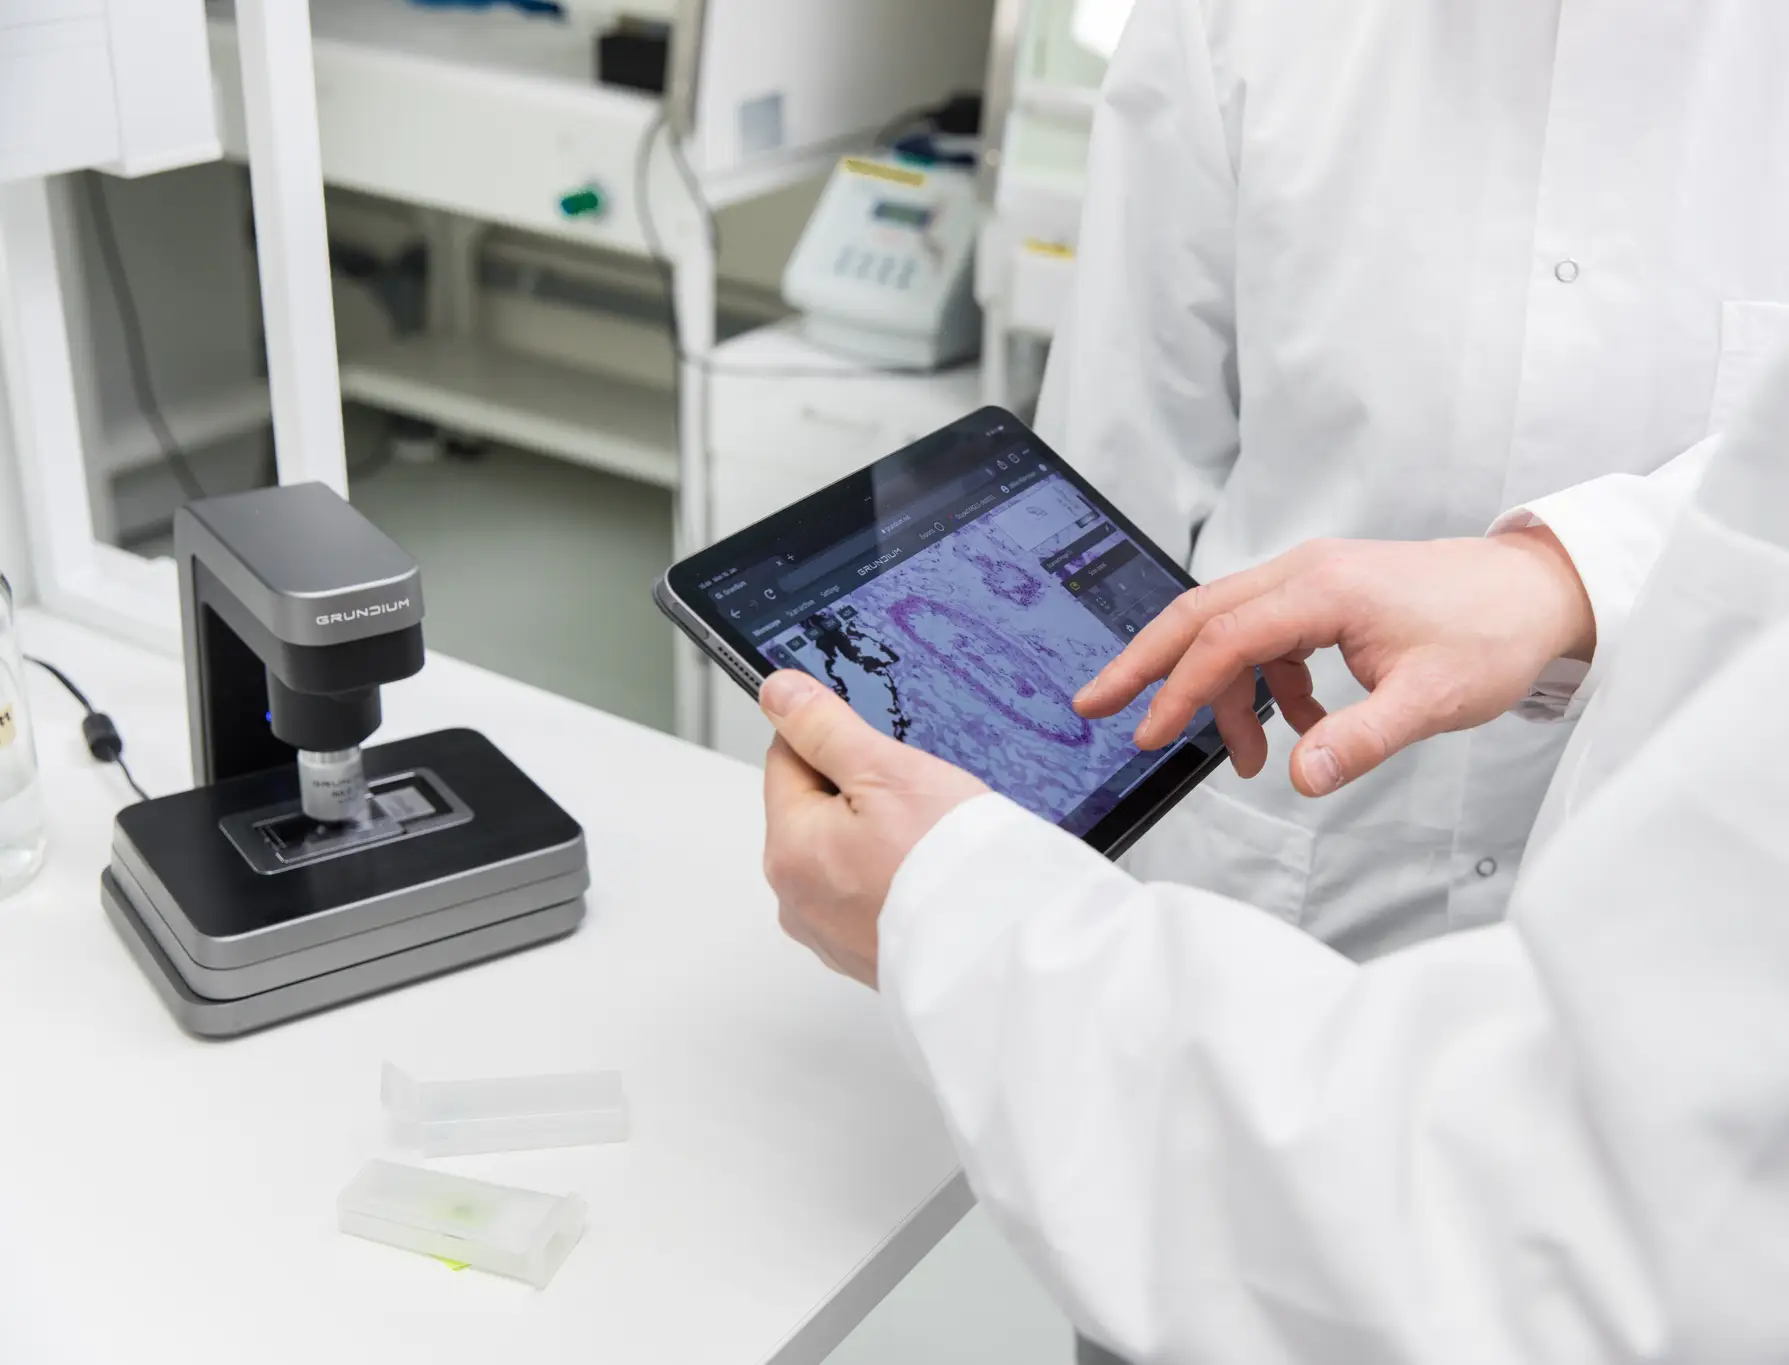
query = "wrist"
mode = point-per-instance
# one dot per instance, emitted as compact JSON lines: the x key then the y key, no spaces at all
{"x":1569,"y":623}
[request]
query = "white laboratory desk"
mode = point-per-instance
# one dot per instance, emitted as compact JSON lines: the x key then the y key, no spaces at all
{"x":164,"y":1199}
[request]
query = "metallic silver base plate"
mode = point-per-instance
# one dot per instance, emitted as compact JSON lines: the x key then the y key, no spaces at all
{"x":208,"y":1018}
{"x":289,"y":969}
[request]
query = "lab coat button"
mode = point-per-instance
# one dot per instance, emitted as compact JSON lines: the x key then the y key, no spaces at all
{"x":1566,"y":272}
{"x":1487,"y":867}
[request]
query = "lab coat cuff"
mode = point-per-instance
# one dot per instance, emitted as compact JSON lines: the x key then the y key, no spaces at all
{"x":938,"y":862}
{"x":1566,"y":686}
{"x":965,"y":886}
{"x":1560,"y":693}
{"x":1614,"y":528}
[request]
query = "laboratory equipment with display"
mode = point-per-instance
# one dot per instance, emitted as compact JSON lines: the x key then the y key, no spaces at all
{"x":885,"y":270}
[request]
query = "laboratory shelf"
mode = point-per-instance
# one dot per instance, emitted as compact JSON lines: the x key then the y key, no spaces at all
{"x":487,"y":114}
{"x":499,"y":38}
{"x":495,"y":115}
{"x":484,"y":390}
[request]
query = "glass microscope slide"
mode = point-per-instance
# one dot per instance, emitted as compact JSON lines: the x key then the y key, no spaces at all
{"x":504,"y":1114}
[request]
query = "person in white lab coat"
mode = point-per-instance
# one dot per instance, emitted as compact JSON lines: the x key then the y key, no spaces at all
{"x":1562,"y":1138}
{"x":1381,"y":269}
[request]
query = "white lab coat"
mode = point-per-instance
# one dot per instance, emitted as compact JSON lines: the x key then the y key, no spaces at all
{"x":1384,"y":268}
{"x":1560,"y":1140}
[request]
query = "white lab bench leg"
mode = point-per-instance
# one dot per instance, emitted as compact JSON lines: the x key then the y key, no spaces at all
{"x":693,"y":300}
{"x":453,"y":244}
{"x":279,"y":94}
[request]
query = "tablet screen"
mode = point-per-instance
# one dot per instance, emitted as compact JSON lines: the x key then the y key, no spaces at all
{"x":964,"y":620}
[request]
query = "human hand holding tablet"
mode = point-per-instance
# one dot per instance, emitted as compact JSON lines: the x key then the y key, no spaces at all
{"x":957,"y":595}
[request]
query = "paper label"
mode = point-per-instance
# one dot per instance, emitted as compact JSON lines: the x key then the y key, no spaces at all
{"x":406,"y":803}
{"x":761,"y":125}
{"x":9,"y":729}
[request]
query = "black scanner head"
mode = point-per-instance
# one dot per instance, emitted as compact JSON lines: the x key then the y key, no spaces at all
{"x":295,"y":610}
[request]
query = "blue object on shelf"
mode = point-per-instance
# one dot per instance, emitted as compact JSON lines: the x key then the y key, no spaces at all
{"x":526,"y":6}
{"x":932,"y":149}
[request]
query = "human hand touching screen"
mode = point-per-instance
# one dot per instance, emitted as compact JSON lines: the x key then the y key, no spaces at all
{"x":1445,"y":635}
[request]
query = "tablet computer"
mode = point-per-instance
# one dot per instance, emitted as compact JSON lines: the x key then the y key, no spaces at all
{"x":957,"y":594}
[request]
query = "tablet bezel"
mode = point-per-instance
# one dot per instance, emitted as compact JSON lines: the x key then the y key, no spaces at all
{"x":849,"y":507}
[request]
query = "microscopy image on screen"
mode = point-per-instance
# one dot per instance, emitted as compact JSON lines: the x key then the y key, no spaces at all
{"x":973,"y":647}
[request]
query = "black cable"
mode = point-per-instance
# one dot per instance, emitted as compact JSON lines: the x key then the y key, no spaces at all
{"x":65,"y":680}
{"x":124,"y":768}
{"x":136,"y":354}
{"x":139,"y":536}
{"x":663,"y":264}
{"x":958,"y":116}
{"x":373,"y":464}
{"x":102,"y":737}
{"x":892,"y":131}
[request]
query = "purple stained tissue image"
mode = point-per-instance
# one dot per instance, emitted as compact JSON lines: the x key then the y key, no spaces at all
{"x":972,"y":652}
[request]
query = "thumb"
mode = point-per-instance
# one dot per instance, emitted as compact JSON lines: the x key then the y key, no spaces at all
{"x":1352,"y":742}
{"x":828,"y":735}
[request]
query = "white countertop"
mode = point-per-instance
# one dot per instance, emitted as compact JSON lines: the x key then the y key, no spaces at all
{"x":165,"y":1199}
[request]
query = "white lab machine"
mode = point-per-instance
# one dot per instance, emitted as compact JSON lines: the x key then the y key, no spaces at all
{"x":886,"y":269}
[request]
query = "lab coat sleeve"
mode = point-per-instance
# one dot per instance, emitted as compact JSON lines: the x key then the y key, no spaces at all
{"x":1614,"y":528}
{"x":1141,"y":390}
{"x":1216,"y":1139}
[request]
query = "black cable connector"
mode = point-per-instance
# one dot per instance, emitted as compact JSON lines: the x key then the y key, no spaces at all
{"x":97,"y":728}
{"x":102,"y":737}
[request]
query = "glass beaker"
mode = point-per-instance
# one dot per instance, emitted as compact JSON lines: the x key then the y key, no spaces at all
{"x":21,"y":796}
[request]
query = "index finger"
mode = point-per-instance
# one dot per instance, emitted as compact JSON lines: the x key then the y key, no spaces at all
{"x":1159,"y":646}
{"x":1295,"y":619}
